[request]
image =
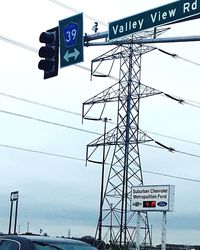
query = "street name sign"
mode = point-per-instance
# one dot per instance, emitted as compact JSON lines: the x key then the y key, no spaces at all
{"x":153,"y":198}
{"x":170,"y":13}
{"x":71,"y":40}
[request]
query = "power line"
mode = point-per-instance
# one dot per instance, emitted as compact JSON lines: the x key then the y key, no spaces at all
{"x":173,"y":138}
{"x":91,"y":132}
{"x":172,"y":176}
{"x":77,"y":11}
{"x":184,"y":100}
{"x":19,"y":44}
{"x":48,"y":122}
{"x":186,"y":153}
{"x":39,"y":104}
{"x":82,"y":130}
{"x":80,"y":159}
{"x":41,"y":152}
{"x":187,"y":60}
{"x":177,"y":56}
{"x":172,"y":150}
{"x":193,"y":103}
{"x":79,"y":114}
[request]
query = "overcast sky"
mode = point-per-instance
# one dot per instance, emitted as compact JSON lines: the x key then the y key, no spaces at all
{"x":58,"y":194}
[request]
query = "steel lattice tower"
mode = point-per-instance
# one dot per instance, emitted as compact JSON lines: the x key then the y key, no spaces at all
{"x":125,"y":169}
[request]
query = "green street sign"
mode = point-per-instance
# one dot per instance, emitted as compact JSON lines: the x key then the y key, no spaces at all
{"x":182,"y":10}
{"x":71,"y":40}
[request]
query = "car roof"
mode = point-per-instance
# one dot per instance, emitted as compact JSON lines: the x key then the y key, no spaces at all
{"x":53,"y":239}
{"x":44,"y":239}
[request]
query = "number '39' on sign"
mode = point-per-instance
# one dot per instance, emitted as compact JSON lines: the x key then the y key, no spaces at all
{"x":70,"y":34}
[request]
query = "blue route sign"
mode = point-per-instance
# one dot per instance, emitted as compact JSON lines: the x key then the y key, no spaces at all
{"x":178,"y":11}
{"x":71,"y":40}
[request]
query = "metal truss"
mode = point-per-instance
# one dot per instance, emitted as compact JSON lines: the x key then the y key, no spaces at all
{"x":122,"y":145}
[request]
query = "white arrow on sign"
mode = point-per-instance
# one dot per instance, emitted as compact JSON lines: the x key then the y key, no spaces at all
{"x":74,"y":54}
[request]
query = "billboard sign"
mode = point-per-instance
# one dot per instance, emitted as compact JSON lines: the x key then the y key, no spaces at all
{"x":152,"y":198}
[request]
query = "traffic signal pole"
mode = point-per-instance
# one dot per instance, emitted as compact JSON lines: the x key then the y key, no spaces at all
{"x":92,"y":37}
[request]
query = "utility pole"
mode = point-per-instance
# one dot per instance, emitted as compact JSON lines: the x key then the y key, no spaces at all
{"x":105,"y":120}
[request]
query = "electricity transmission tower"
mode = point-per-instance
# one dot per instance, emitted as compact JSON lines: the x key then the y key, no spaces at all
{"x":125,"y":169}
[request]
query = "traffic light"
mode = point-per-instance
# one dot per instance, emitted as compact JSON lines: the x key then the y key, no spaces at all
{"x":49,"y":52}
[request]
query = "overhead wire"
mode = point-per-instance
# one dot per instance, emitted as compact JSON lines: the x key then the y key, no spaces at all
{"x":172,"y":150}
{"x":41,"y":152}
{"x":177,"y":56}
{"x":91,"y":132}
{"x":183,"y":100}
{"x":187,"y":60}
{"x":77,"y":11}
{"x":173,"y":137}
{"x":45,"y":121}
{"x":17,"y":43}
{"x":80,"y":159}
{"x":172,"y":176}
{"x":193,"y":104}
{"x":79,"y":114}
{"x":39,"y":104}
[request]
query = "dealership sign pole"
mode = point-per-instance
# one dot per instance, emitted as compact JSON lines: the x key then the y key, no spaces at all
{"x":164,"y":230}
{"x":156,"y":198}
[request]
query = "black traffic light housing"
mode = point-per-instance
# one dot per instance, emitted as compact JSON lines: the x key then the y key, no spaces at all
{"x":50,"y":52}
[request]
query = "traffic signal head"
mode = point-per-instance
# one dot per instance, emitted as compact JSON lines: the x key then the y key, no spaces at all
{"x":49,"y":52}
